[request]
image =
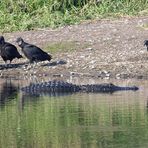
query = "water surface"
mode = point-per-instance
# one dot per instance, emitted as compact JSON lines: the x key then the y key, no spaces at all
{"x":77,"y":120}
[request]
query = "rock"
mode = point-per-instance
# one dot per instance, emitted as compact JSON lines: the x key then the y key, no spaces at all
{"x":122,"y":76}
{"x":57,"y":75}
{"x":61,"y":62}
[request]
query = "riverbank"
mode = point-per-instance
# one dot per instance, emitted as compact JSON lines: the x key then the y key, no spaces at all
{"x":100,"y":48}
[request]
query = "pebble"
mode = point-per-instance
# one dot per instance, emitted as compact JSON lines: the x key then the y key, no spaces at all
{"x":58,"y":75}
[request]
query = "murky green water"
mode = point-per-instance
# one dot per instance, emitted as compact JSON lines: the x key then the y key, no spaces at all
{"x":118,"y":120}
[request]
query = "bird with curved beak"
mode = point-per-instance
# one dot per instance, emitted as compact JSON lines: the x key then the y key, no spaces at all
{"x":32,"y":52}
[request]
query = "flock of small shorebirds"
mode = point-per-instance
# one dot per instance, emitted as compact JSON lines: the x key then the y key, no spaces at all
{"x":8,"y":51}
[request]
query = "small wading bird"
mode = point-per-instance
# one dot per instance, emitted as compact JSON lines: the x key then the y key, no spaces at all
{"x":32,"y":52}
{"x":146,"y":44}
{"x":8,"y":51}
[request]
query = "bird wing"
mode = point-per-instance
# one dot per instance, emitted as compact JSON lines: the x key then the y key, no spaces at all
{"x":8,"y":50}
{"x":32,"y":49}
{"x":11,"y":50}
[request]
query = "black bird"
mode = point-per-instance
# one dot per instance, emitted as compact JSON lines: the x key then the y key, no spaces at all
{"x":32,"y":52}
{"x":146,"y":44}
{"x":8,"y":51}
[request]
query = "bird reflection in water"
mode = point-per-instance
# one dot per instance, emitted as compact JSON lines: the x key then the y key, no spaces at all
{"x":8,"y":91}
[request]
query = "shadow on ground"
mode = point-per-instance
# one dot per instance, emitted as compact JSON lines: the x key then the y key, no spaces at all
{"x":19,"y":65}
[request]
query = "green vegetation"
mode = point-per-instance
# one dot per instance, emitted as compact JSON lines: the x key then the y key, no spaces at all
{"x":32,"y":14}
{"x":65,"y":46}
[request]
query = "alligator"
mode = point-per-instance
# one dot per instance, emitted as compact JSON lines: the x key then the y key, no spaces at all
{"x":61,"y":87}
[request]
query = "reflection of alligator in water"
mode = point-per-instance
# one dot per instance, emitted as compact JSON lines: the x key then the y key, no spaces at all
{"x":52,"y":87}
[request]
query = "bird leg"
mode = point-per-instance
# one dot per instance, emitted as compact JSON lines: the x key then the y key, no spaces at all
{"x":10,"y":65}
{"x":6,"y":65}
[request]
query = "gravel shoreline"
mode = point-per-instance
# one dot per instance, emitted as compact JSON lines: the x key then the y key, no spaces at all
{"x":114,"y":50}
